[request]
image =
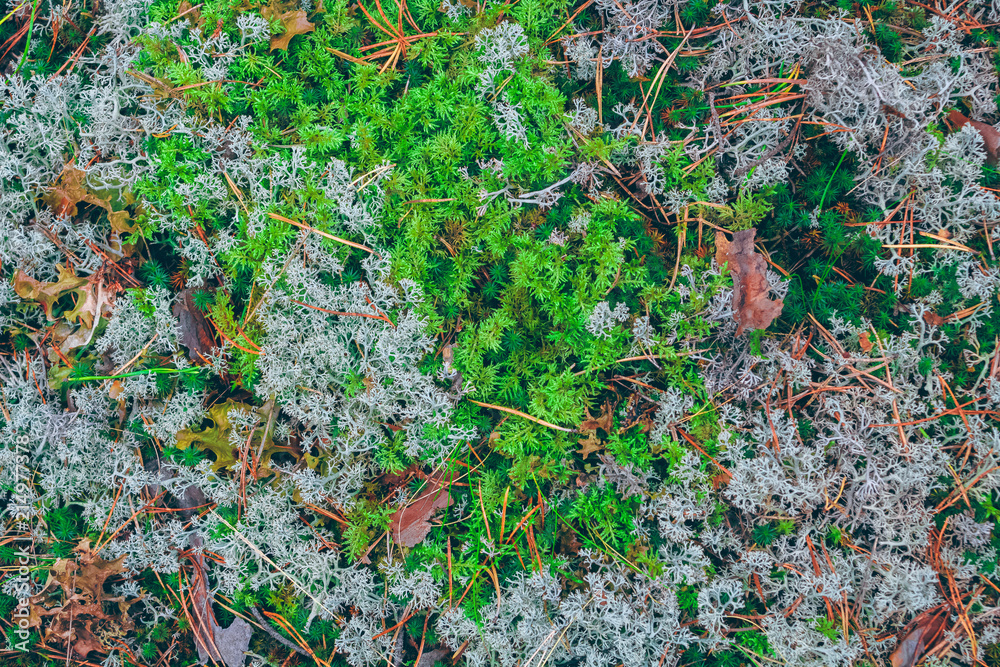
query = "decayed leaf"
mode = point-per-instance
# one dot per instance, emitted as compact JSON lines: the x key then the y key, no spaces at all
{"x":991,"y":138}
{"x":216,"y":438}
{"x":751,"y":306}
{"x":638,"y":410}
{"x":924,"y":631}
{"x":47,"y":294}
{"x":70,"y":190}
{"x":430,"y":657}
{"x":409,"y":525}
{"x":92,"y":300}
{"x":589,"y":445}
{"x":604,"y":422}
{"x":295,"y":23}
{"x":74,"y":601}
{"x":196,"y":332}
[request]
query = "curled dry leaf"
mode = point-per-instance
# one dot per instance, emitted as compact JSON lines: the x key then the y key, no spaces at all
{"x":604,"y":422}
{"x":93,"y":301}
{"x":70,"y":190}
{"x":865,"y":342}
{"x":411,"y":524}
{"x":295,"y":23}
{"x":751,"y":306}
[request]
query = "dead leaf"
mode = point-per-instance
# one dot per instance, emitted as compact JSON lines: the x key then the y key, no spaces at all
{"x":74,"y":601}
{"x":430,"y":657}
{"x":721,"y":480}
{"x":391,"y":480}
{"x":409,"y":525}
{"x":590,"y":445}
{"x":865,"y":343}
{"x":196,"y":332}
{"x":192,"y":14}
{"x":223,"y":645}
{"x":568,"y":541}
{"x":637,"y":411}
{"x":47,"y":294}
{"x":752,"y":309}
{"x":934,"y":319}
{"x":604,"y":422}
{"x":991,"y":138}
{"x":295,"y":23}
{"x":216,"y":438}
{"x":923,"y":632}
{"x":70,"y":190}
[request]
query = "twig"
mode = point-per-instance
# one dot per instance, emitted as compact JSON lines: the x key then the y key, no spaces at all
{"x":266,"y":627}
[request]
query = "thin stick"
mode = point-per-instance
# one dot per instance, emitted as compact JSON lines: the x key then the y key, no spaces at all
{"x":522,"y":414}
{"x":302,"y":225}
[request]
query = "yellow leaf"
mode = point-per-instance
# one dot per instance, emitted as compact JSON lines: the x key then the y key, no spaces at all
{"x":216,"y":438}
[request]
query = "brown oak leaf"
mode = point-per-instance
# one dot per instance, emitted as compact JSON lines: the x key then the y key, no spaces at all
{"x":295,"y":23}
{"x":76,"y":606}
{"x":752,"y":308}
{"x":590,"y":445}
{"x":410,"y":524}
{"x":991,"y":138}
{"x":604,"y":422}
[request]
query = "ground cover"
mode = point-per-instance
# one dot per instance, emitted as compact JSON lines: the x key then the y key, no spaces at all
{"x":523,"y":333}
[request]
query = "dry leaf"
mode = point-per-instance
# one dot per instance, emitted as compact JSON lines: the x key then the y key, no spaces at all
{"x":409,"y":525}
{"x":74,"y":601}
{"x":991,"y":138}
{"x":865,"y":343}
{"x":223,"y":645}
{"x":47,"y":294}
{"x":926,"y":629}
{"x":430,"y":657}
{"x":722,"y":479}
{"x":196,"y":332}
{"x":637,"y":411}
{"x":295,"y":23}
{"x":934,"y":319}
{"x":568,"y":541}
{"x":590,"y":445}
{"x":604,"y":422}
{"x":752,"y":308}
{"x":70,"y":190}
{"x":193,"y":16}
{"x":217,"y":438}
